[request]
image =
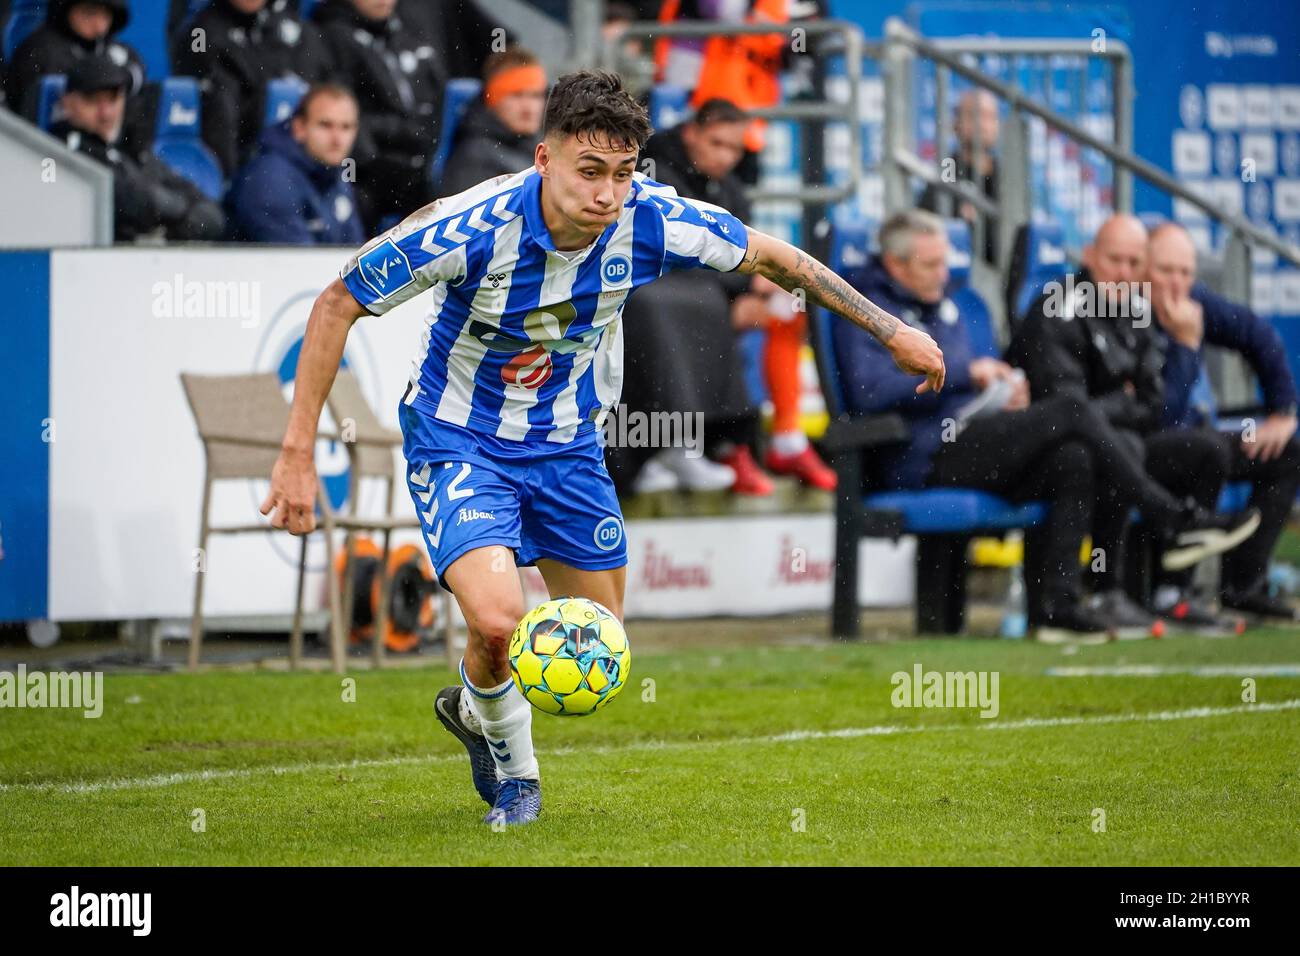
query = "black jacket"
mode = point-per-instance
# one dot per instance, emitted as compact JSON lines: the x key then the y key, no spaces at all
{"x":241,"y":54}
{"x":484,"y":148}
{"x":460,"y":31}
{"x":54,"y":48}
{"x":673,"y":167}
{"x":1068,"y":346}
{"x":988,"y":185}
{"x":147,"y":194}
{"x":398,"y":80}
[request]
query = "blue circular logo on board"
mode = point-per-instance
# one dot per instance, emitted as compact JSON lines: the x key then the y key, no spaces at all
{"x":616,"y":270}
{"x":609,"y":533}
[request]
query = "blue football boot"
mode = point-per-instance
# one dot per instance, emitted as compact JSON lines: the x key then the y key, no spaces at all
{"x":518,"y":801}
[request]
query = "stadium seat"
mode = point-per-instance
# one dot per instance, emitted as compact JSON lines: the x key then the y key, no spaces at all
{"x":177,"y":141}
{"x":48,"y":110}
{"x":669,"y":105}
{"x":959,"y":251}
{"x":457,"y":97}
{"x":282,"y":98}
{"x":1038,"y":257}
{"x":23,"y":20}
{"x":943,"y":519}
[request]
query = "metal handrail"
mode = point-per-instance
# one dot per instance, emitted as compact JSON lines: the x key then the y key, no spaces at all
{"x":898,"y":32}
{"x":855,"y":48}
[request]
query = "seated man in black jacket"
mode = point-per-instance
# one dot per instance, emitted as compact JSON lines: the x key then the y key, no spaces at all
{"x":1091,"y":337}
{"x":72,"y":31}
{"x":1267,"y":454}
{"x":236,"y":47}
{"x":499,"y":131}
{"x":399,"y":81}
{"x":148,"y":197}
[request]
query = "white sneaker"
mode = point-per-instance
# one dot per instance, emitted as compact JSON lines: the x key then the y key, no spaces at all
{"x":697,"y":474}
{"x":654,"y":477}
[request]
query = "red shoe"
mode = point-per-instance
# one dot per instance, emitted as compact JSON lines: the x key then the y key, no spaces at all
{"x":807,"y":466}
{"x":750,"y":479}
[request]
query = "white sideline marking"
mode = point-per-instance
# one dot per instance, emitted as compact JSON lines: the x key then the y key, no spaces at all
{"x":794,"y":736}
{"x":1163,"y":670}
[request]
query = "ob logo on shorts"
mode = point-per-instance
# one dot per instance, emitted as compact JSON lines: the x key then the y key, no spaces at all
{"x":616,"y":270}
{"x":609,"y":533}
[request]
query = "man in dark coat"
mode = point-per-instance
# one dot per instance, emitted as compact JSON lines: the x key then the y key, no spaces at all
{"x":236,"y":47}
{"x":1265,"y":452}
{"x":1092,"y":337}
{"x":148,"y":196}
{"x":499,"y":131}
{"x":399,"y":82}
{"x":297,"y":190}
{"x":72,"y":31}
{"x":698,"y":158}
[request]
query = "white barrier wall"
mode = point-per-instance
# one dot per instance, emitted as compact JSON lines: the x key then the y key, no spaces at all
{"x":126,"y":464}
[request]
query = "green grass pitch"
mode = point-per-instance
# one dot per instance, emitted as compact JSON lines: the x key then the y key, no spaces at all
{"x":765,"y":755}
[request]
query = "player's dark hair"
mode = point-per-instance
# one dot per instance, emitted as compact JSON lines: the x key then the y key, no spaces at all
{"x":322,"y":89}
{"x":593,"y":102}
{"x":718,"y":110}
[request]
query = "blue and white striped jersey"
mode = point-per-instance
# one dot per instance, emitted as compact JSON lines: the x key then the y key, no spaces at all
{"x":522,"y":342}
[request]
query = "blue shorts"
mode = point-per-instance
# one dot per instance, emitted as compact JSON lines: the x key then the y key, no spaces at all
{"x":540,"y":499}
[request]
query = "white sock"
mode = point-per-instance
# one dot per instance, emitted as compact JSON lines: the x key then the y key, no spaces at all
{"x":467,"y":715}
{"x":789,"y":443}
{"x":507,"y":722}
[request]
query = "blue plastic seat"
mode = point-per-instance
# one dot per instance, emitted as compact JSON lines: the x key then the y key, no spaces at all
{"x":669,"y":105}
{"x":956,"y":510}
{"x":177,"y":141}
{"x":23,"y":21}
{"x":48,"y":110}
{"x":1045,"y":261}
{"x":456,"y":98}
{"x":282,"y":97}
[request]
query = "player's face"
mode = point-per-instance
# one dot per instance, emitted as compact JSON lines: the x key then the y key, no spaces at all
{"x":329,"y":129}
{"x":100,"y":112}
{"x":925,"y":272}
{"x":90,"y":21}
{"x":587,"y":180}
{"x":375,"y":9}
{"x":521,"y":112}
{"x":1171,"y":267}
{"x":714,"y":149}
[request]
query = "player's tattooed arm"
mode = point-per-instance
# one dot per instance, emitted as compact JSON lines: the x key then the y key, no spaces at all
{"x":795,"y":271}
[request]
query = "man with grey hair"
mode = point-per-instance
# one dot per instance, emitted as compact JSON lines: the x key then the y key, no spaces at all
{"x":983,"y":432}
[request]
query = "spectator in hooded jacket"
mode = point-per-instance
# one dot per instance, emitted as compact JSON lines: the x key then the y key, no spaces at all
{"x":399,"y":81}
{"x":297,"y":190}
{"x":148,"y":196}
{"x":72,"y":31}
{"x":236,"y":47}
{"x":499,"y":131}
{"x":1267,"y":454}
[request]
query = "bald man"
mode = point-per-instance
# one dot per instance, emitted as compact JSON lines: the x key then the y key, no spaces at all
{"x":1091,"y":337}
{"x":1266,"y":454}
{"x":976,"y":124}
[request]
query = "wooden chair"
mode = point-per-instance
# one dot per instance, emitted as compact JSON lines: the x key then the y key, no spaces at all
{"x":242,"y":420}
